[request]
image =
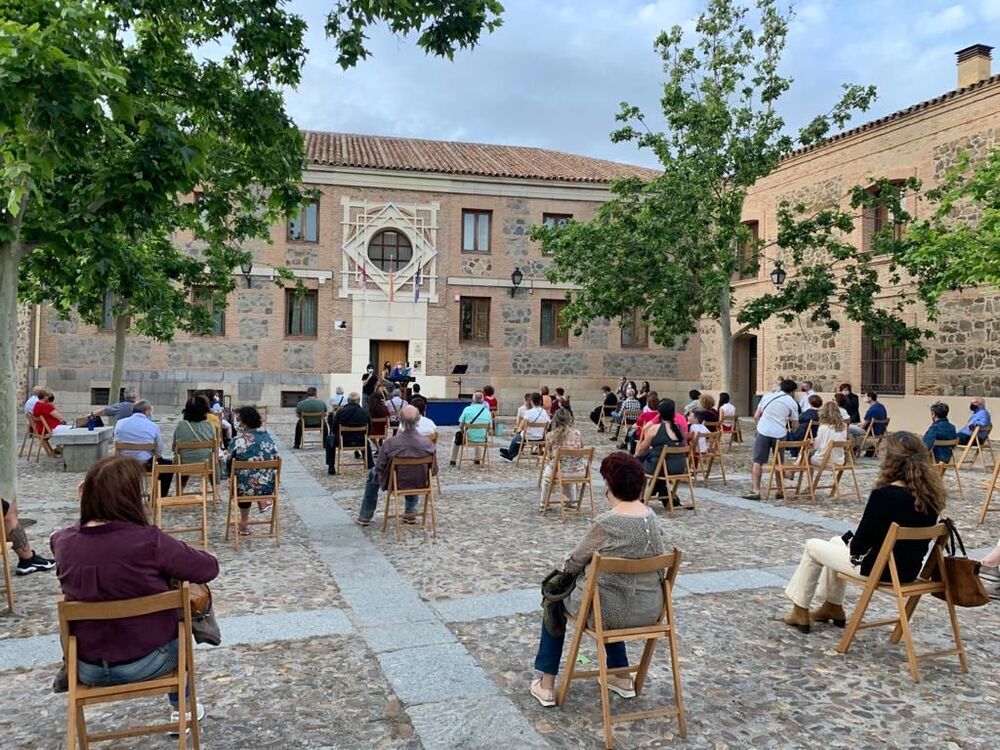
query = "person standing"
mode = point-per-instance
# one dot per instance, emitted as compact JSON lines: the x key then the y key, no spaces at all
{"x":777,"y":414}
{"x":369,"y":382}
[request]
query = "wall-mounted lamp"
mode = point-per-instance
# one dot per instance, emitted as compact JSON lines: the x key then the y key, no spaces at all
{"x":515,"y":279}
{"x":778,"y":276}
{"x":247,"y":268}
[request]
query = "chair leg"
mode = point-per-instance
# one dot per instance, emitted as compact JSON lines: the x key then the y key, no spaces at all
{"x":574,"y":651}
{"x":856,"y":616}
{"x":911,"y":605}
{"x":953,"y":616}
{"x":675,"y":669}
{"x":276,"y":522}
{"x":602,"y":669}
{"x":907,"y":636}
{"x":204,"y":522}
{"x":81,"y":728}
{"x":647,"y":657}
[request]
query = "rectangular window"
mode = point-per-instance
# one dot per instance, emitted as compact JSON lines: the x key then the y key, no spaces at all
{"x":555,"y":220}
{"x":476,"y":231}
{"x":883,"y":365}
{"x":748,"y":252}
{"x":99,"y":396}
{"x":876,"y":219}
{"x":552,"y":333}
{"x":290,"y":399}
{"x":108,"y":312}
{"x":204,"y":297}
{"x":475,"y":315}
{"x":301,"y":311}
{"x":635,"y":332}
{"x":304,"y":227}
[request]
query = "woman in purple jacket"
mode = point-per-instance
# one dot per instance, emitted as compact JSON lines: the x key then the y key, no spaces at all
{"x":115,"y":553}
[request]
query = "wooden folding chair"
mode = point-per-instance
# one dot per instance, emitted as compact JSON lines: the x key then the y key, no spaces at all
{"x":629,"y":416}
{"x":5,"y":549}
{"x":29,"y":437}
{"x":665,"y":626}
{"x":660,"y":473}
{"x":798,"y":470}
{"x":147,"y":477}
{"x":181,"y":446}
{"x":871,"y":437}
{"x":475,"y":445}
{"x":907,"y":595}
{"x":363,"y":432}
{"x":951,"y":463}
{"x":605,"y":421}
{"x":837,"y":470}
{"x":380,"y":431}
{"x":989,"y":492}
{"x":979,"y":441}
{"x":182,"y":499}
{"x":273,"y":523}
{"x":395,"y":497}
{"x":714,"y":454}
{"x":735,"y":434}
{"x":580,"y":481}
{"x":317,"y":429}
{"x":433,"y":437}
{"x":533,"y":448}
{"x":41,"y":434}
{"x":180,"y":680}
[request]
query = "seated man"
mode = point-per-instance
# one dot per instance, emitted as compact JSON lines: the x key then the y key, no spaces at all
{"x":608,"y":398}
{"x":27,"y":561}
{"x":478,"y":412}
{"x":630,"y":404}
{"x":808,"y":416}
{"x":394,"y":405}
{"x":694,"y":404}
{"x":875,"y":411}
{"x":807,"y":394}
{"x":46,"y":409}
{"x":537,"y":414}
{"x":120,"y":410}
{"x":940,"y":429}
{"x":425,"y":426}
{"x":407,"y":443}
{"x":140,"y":428}
{"x":980,"y":418}
{"x":309,"y":405}
{"x":351,"y":415}
{"x":29,"y":405}
{"x":338,"y":399}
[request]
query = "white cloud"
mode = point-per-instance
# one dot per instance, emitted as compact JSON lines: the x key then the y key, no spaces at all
{"x":946,"y":20}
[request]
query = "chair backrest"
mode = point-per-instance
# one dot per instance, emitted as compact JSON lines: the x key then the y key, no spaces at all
{"x":197,"y":469}
{"x":310,"y":415}
{"x":468,"y":426}
{"x":631,"y":414}
{"x":875,"y":423}
{"x":272,"y":465}
{"x":543,"y":426}
{"x":564,"y":453}
{"x":951,"y":445}
{"x":712,"y":426}
{"x":847,"y":447}
{"x":380,"y":426}
{"x":399,"y":462}
{"x":782,"y":445}
{"x":897,"y":533}
{"x":669,"y":563}
{"x":344,"y":430}
{"x":42,"y":428}
{"x":433,"y":437}
{"x":181,"y":446}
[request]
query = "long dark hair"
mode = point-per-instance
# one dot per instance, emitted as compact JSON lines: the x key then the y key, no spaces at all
{"x":196,"y":409}
{"x":907,"y":460}
{"x":112,"y":491}
{"x":668,"y":410}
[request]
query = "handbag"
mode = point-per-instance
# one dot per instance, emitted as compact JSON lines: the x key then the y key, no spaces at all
{"x":204,"y":626}
{"x":967,"y":589}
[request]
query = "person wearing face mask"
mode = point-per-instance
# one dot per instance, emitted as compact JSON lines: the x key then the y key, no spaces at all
{"x":853,"y":405}
{"x":980,"y":418}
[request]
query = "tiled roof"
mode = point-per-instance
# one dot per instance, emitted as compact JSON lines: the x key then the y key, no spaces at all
{"x":913,"y":109}
{"x":447,"y":157}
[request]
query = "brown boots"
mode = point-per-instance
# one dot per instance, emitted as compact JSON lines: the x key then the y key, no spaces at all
{"x":829,"y":613}
{"x":798,"y":618}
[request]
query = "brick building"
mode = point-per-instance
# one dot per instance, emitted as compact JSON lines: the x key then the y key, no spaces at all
{"x":924,"y":141}
{"x":407,"y":255}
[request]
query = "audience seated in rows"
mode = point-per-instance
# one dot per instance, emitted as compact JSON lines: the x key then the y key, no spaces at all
{"x":807,"y":393}
{"x":807,"y":419}
{"x":309,"y":405}
{"x":629,"y":405}
{"x":980,"y":418}
{"x":629,"y":529}
{"x":697,"y":428}
{"x":650,"y":414}
{"x":537,"y":414}
{"x":489,"y":397}
{"x":525,"y":405}
{"x":546,"y":399}
{"x":694,"y":394}
{"x":476,"y":413}
{"x":940,"y":429}
{"x":253,"y":443}
{"x":36,"y":393}
{"x":425,"y":426}
{"x":727,"y":410}
{"x":841,"y":400}
{"x":562,"y":434}
{"x":140,"y":429}
{"x":875,"y":411}
{"x":338,"y":398}
{"x":114,"y":553}
{"x":775,"y":415}
{"x":407,"y":443}
{"x":643,"y":393}
{"x":394,"y":405}
{"x":908,"y":491}
{"x":194,"y":427}
{"x":351,"y":415}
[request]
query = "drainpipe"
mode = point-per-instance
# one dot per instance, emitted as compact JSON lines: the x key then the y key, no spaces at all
{"x":36,"y":344}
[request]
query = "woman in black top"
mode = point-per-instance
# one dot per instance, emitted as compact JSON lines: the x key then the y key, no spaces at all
{"x":853,"y":406}
{"x":656,"y":437}
{"x":909,"y":491}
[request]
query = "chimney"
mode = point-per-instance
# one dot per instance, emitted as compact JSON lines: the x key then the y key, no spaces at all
{"x":973,"y":64}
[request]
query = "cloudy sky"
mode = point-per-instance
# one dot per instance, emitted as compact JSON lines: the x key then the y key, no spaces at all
{"x":552,"y":76}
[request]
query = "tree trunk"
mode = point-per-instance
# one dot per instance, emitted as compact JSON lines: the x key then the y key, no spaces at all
{"x":725,"y":343}
{"x":121,"y":329}
{"x":9,"y":408}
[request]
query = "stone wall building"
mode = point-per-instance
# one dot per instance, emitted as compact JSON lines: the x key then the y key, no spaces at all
{"x":922,"y":141}
{"x":407,"y":255}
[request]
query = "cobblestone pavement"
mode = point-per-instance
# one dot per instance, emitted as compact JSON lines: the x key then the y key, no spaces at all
{"x":349,"y":638}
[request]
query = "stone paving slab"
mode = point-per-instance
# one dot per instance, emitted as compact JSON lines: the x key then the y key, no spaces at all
{"x":475,"y":724}
{"x":430,"y":674}
{"x":405,"y":635}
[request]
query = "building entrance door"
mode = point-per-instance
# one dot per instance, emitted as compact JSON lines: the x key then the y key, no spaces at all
{"x":389,"y":351}
{"x":744,"y":394}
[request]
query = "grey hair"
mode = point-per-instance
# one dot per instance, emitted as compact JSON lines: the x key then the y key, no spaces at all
{"x":340,"y":390}
{"x":354,"y":398}
{"x":477,"y":397}
{"x":409,"y":416}
{"x":630,"y":393}
{"x":140,"y":405}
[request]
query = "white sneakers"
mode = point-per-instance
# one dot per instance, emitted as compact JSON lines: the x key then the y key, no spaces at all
{"x":175,"y":717}
{"x":621,"y":686}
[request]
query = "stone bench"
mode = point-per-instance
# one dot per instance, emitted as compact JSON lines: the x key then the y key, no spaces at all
{"x":82,"y":448}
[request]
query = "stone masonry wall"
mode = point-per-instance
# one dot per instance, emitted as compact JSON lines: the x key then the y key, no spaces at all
{"x":965,"y":354}
{"x":22,"y":352}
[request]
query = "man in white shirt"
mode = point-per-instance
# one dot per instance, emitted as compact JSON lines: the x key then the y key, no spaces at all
{"x":29,"y":405}
{"x":536,"y":414}
{"x":425,"y":426}
{"x":338,"y":399}
{"x":776,"y":415}
{"x":141,"y":429}
{"x":807,"y":391}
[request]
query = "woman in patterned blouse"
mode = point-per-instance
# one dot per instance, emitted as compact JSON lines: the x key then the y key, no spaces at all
{"x":252,"y":444}
{"x":561,"y":435}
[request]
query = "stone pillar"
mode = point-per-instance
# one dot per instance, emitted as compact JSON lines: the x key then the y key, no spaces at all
{"x":25,"y":347}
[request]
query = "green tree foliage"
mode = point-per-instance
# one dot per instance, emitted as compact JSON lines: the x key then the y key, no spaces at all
{"x":672,"y":246}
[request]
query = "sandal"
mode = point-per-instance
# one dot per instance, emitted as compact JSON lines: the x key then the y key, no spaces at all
{"x":244,"y":531}
{"x":264,"y":507}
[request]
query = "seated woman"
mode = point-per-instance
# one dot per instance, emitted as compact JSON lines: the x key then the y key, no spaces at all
{"x":832,"y":427}
{"x":115,"y":553}
{"x":659,"y":435}
{"x":908,"y":491}
{"x":562,"y":434}
{"x":709,"y":414}
{"x":630,"y":530}
{"x":195,"y":427}
{"x":377,"y":410}
{"x":252,"y":444}
{"x":727,"y":411}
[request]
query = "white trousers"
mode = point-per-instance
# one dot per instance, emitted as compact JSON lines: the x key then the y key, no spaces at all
{"x":569,"y":489}
{"x":817,"y":572}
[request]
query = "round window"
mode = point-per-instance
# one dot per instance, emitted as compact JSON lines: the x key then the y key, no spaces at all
{"x":390,"y":250}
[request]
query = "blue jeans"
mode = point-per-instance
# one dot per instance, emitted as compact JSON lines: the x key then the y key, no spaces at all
{"x":370,"y":501}
{"x":550,"y":650}
{"x":155,"y":664}
{"x":515,"y":446}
